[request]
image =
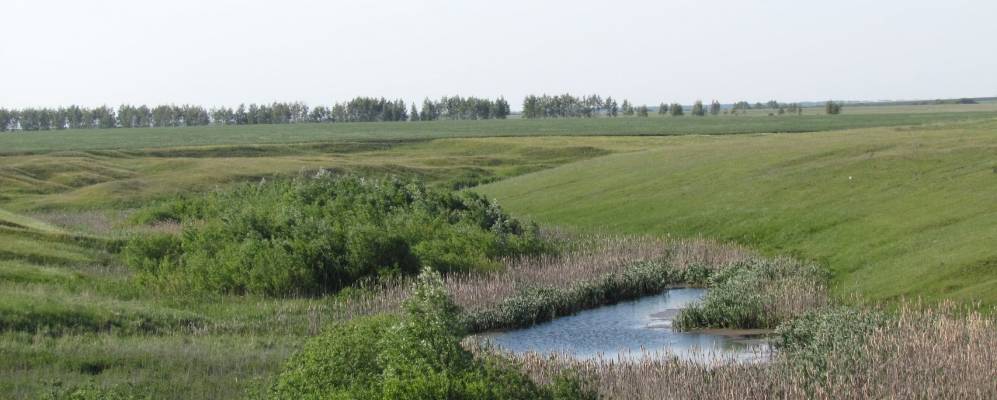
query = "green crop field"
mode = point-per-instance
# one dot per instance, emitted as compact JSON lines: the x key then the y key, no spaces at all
{"x":892,"y":211}
{"x":122,"y":139}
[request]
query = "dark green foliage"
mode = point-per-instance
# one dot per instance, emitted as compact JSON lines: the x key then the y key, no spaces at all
{"x":698,"y":109}
{"x":822,"y":332}
{"x":743,"y":296}
{"x":566,"y":105}
{"x":627,"y":108}
{"x":416,"y":357}
{"x":463,"y":108}
{"x":316,"y":235}
{"x":832,"y":108}
{"x":814,"y":338}
{"x":676,"y":110}
{"x":341,"y":361}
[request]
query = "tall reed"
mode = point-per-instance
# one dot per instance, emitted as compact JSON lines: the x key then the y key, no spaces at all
{"x":590,"y":258}
{"x":916,"y":354}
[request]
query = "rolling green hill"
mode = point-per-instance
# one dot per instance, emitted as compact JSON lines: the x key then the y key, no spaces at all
{"x":892,"y":211}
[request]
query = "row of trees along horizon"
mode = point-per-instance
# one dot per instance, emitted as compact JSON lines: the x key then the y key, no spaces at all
{"x":361,"y":109}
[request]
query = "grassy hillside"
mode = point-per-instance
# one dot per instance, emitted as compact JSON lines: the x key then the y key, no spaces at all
{"x":127,"y":139}
{"x":892,"y":211}
{"x":62,"y":181}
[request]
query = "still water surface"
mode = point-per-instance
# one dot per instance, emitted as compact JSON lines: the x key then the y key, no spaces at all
{"x":631,"y":330}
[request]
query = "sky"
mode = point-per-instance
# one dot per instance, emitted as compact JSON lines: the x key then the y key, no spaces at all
{"x":227,"y":52}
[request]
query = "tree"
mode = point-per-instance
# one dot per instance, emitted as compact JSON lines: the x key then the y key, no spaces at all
{"x":627,"y":108}
{"x":501,"y":109}
{"x":832,"y":108}
{"x":104,"y":117}
{"x":715,"y":107}
{"x":612,"y":109}
{"x":222,"y":116}
{"x":642,"y":111}
{"x":5,"y":118}
{"x":698,"y":109}
{"x":319,"y":114}
{"x":241,"y":117}
{"x":662,"y":109}
{"x":676,"y":110}
{"x":414,"y":114}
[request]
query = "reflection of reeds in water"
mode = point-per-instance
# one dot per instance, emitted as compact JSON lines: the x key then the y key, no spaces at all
{"x":930,"y":354}
{"x":590,"y":258}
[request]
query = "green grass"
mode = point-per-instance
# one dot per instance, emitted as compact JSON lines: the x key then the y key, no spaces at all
{"x":892,"y":211}
{"x":917,"y":219}
{"x":131,"y":139}
{"x":75,"y":181}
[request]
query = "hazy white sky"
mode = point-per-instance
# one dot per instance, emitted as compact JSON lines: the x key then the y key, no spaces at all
{"x":58,"y":52}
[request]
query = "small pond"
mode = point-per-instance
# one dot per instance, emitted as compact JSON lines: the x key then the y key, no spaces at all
{"x":632,"y":330}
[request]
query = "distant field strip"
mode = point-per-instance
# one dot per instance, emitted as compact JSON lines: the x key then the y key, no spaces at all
{"x":122,"y":139}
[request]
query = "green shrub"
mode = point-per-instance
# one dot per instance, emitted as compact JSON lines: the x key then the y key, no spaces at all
{"x":754,"y":294}
{"x":813,"y":337}
{"x":340,"y":363}
{"x":415,"y":357}
{"x":317,"y":235}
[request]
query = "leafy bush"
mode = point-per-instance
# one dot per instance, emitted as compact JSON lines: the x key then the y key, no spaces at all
{"x":415,"y":357}
{"x":756,"y":294}
{"x":316,"y":235}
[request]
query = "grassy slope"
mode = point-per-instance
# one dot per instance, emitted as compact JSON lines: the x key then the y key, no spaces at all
{"x":70,"y":140}
{"x":84,"y":180}
{"x":916,"y":218}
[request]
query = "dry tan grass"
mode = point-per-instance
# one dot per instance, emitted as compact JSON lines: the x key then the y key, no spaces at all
{"x":591,"y":258}
{"x":926,"y":354}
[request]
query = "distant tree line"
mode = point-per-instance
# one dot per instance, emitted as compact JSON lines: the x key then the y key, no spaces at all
{"x":775,"y":106}
{"x":570,"y":106}
{"x":567,"y":105}
{"x":462,"y":108}
{"x":360,"y":109}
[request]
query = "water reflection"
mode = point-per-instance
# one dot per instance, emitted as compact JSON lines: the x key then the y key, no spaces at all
{"x":632,"y":330}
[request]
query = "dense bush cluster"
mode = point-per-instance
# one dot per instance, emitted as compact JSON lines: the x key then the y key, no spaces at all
{"x":418,"y":356}
{"x":756,"y":294}
{"x":316,"y":235}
